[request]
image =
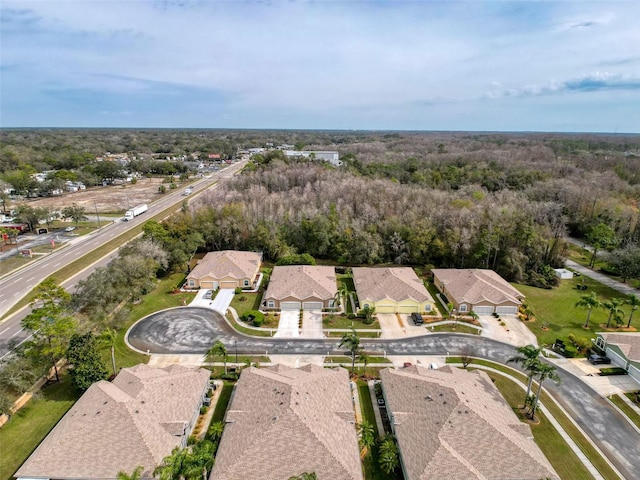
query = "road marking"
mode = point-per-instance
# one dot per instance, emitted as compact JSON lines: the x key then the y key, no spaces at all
{"x":16,"y":333}
{"x":4,"y":330}
{"x":14,"y":348}
{"x":56,"y":264}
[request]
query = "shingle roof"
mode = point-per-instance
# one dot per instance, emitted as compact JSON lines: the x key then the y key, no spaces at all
{"x":474,"y":285}
{"x":227,"y":263}
{"x":628,"y":342}
{"x":302,"y":282}
{"x":394,"y":283}
{"x":136,"y":420}
{"x":284,"y":421}
{"x":454,"y":424}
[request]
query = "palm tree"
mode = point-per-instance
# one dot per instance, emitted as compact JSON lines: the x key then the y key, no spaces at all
{"x":109,"y":337}
{"x":634,"y":302}
{"x":613,"y":306}
{"x":352,"y":342}
{"x":530,"y":360}
{"x":172,"y":465}
{"x":199,"y":460}
{"x":364,"y":358}
{"x":215,"y":431}
{"x":305,"y":476}
{"x":341,"y":294}
{"x":544,"y":371}
{"x":219,"y":350}
{"x":367,"y":437}
{"x":135,"y":475}
{"x":589,"y":302}
{"x":473,"y":315}
{"x":388,"y":455}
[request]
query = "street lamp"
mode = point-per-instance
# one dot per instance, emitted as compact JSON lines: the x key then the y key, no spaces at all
{"x":235,"y":344}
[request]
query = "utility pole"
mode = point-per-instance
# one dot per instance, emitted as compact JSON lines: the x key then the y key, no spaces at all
{"x":95,"y":205}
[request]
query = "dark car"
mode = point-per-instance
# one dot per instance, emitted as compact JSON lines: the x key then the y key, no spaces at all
{"x":417,"y":318}
{"x":596,"y":359}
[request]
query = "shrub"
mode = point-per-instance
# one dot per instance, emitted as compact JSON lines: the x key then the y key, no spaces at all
{"x":237,"y":291}
{"x":605,"y":372}
{"x":254,"y":316}
{"x":368,"y":320}
{"x":203,"y":410}
{"x":351,"y":316}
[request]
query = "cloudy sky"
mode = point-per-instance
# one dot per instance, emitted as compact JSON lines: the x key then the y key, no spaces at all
{"x":507,"y":66}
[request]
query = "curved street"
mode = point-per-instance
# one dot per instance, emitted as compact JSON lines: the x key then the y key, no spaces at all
{"x":192,"y":330}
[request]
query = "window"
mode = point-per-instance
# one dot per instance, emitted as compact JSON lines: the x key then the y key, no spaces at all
{"x":246,"y":283}
{"x":331,"y":303}
{"x":192,"y":282}
{"x":463,"y":307}
{"x":271,"y":304}
{"x":366,"y":305}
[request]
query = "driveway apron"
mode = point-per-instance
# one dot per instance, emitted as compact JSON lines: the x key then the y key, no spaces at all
{"x":288,"y":326}
{"x":312,"y":324}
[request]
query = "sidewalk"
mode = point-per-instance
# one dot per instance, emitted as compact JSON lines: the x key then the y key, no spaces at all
{"x":604,"y":279}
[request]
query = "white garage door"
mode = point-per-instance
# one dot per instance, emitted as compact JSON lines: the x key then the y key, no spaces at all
{"x":408,"y":308}
{"x":482,"y":310}
{"x":615,"y":358}
{"x":385,"y":308}
{"x":290,"y":305}
{"x":634,"y":372}
{"x":506,"y":310}
{"x":312,"y":305}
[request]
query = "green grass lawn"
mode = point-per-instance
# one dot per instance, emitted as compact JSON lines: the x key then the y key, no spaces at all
{"x":31,"y":424}
{"x":460,"y":328}
{"x":433,"y":291}
{"x":251,"y":302}
{"x":626,"y":409}
{"x":583,"y":257}
{"x":556,"y":308}
{"x":223,"y":402}
{"x":341,"y":321}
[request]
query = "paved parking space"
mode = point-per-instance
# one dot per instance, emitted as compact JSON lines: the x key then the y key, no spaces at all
{"x":312,"y":324}
{"x":390,"y":326}
{"x":605,"y":386}
{"x":289,"y":324}
{"x":219,"y":304}
{"x":514,"y":332}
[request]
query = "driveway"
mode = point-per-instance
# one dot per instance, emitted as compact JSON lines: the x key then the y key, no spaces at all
{"x":312,"y":324}
{"x":514,"y":332}
{"x":289,"y":324}
{"x":390,"y":326}
{"x":219,"y":304}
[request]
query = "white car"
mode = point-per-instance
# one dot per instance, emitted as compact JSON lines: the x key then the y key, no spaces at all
{"x":69,"y":229}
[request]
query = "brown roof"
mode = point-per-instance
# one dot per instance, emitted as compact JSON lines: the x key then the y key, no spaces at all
{"x":227,"y":263}
{"x":454,"y":424}
{"x":394,"y":283}
{"x":136,"y":420}
{"x":628,"y":343}
{"x":284,"y":421}
{"x":302,"y":282}
{"x":474,"y":286}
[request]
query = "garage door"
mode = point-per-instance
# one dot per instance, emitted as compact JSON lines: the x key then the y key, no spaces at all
{"x":408,"y":308}
{"x":290,"y":306}
{"x":228,"y":284}
{"x":634,"y":372}
{"x":312,"y":305}
{"x":208,"y":284}
{"x":507,"y":310}
{"x":385,"y":308}
{"x":483,"y":310}
{"x":615,"y":358}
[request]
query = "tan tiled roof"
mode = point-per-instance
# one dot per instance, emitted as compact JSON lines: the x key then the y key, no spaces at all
{"x":628,"y":342}
{"x":227,"y":263}
{"x":302,"y":282}
{"x":136,"y":420}
{"x":454,"y":424}
{"x":284,"y":421}
{"x":474,"y":286}
{"x":394,"y":283}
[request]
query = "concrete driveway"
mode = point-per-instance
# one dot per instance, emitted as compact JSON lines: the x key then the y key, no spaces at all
{"x":514,"y":332}
{"x":390,"y":326}
{"x":289,"y":324}
{"x":219,"y":304}
{"x":312,"y":324}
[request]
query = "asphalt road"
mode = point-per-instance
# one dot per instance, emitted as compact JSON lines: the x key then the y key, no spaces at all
{"x":194,"y":330}
{"x":15,"y":286}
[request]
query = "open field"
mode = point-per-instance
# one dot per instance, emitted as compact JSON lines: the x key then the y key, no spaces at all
{"x":555,"y":309}
{"x":110,"y":199}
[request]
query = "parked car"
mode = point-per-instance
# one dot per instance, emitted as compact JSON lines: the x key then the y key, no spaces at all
{"x":208,"y":294}
{"x":596,"y":359}
{"x":417,"y":318}
{"x":69,"y":229}
{"x":381,"y":402}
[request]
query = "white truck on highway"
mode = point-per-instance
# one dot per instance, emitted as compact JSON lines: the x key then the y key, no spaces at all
{"x":187,"y":191}
{"x":135,"y":211}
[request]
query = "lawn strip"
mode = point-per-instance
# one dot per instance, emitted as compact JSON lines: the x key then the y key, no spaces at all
{"x":223,"y":402}
{"x":629,"y":412}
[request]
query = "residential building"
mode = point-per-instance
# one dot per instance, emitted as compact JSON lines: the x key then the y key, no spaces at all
{"x":453,"y":424}
{"x":473,"y":289}
{"x":328,"y":156}
{"x":136,"y":420}
{"x":296,"y":287}
{"x":226,"y":269}
{"x":623,"y":349}
{"x":284,"y":421}
{"x":391,"y":290}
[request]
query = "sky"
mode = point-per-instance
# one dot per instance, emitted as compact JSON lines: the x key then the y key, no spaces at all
{"x":562,"y":66}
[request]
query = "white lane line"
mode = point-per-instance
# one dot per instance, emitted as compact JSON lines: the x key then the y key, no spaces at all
{"x":5,"y":330}
{"x":56,"y":264}
{"x":16,"y":333}
{"x":11,"y":351}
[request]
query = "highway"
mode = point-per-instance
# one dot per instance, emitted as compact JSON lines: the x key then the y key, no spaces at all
{"x":16,"y":286}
